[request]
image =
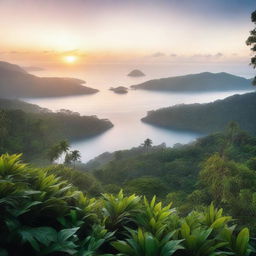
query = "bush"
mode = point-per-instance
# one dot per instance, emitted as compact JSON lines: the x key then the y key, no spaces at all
{"x":41,"y":214}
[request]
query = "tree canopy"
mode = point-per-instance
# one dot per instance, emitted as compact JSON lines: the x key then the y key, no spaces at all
{"x":252,"y":42}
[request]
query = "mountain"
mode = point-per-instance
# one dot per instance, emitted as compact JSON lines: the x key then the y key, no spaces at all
{"x":136,"y":73}
{"x":209,"y":117}
{"x":16,"y":82}
{"x":197,"y":82}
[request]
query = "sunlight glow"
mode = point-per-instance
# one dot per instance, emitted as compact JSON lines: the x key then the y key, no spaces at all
{"x":70,"y":58}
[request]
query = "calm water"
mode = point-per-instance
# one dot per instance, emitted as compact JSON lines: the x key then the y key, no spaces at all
{"x":125,"y":111}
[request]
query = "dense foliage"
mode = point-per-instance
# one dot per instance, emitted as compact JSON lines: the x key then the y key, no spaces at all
{"x":84,"y":181}
{"x":252,"y":42}
{"x":43,"y":215}
{"x":33,"y":133}
{"x":219,"y":168}
{"x":209,"y":117}
{"x":14,"y":104}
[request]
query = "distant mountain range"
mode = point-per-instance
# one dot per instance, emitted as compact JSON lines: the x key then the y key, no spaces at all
{"x":209,"y":117}
{"x":15,"y":82}
{"x":197,"y":82}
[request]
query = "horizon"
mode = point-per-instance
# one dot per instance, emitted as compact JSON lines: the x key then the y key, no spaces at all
{"x":78,"y":33}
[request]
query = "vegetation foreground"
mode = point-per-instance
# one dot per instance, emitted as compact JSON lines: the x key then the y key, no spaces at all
{"x":41,"y":214}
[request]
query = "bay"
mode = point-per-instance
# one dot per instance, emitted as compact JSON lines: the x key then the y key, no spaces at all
{"x":126,"y":110}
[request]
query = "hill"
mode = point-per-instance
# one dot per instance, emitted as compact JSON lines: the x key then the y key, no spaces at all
{"x":197,"y":82}
{"x":14,"y":104}
{"x":15,"y":82}
{"x":217,"y":168}
{"x":209,"y":117}
{"x":33,"y":132}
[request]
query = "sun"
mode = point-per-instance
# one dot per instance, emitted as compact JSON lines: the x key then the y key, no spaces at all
{"x":70,"y":59}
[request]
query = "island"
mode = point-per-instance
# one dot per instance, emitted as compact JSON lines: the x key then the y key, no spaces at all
{"x":119,"y":90}
{"x":205,"y":81}
{"x":209,"y":117}
{"x":136,"y":73}
{"x":15,"y":82}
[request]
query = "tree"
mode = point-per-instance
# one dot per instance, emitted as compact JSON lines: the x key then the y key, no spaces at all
{"x":57,"y":150}
{"x":54,"y":152}
{"x":147,"y":144}
{"x":215,"y":175}
{"x":3,"y":128}
{"x":75,"y":156}
{"x":72,"y":156}
{"x":118,"y":155}
{"x":68,"y":159}
{"x":64,"y":147}
{"x":252,"y":42}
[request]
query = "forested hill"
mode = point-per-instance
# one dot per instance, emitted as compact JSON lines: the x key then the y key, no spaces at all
{"x":191,"y":175}
{"x":33,"y":132}
{"x":209,"y":117}
{"x":197,"y":82}
{"x":14,"y":104}
{"x":16,"y":83}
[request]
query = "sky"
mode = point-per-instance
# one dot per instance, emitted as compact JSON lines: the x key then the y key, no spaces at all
{"x":92,"y":31}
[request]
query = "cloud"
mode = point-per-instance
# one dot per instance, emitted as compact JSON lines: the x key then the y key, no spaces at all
{"x":208,"y":56}
{"x":173,"y":55}
{"x":158,"y":54}
{"x":219,"y":54}
{"x":74,"y":51}
{"x":15,"y":52}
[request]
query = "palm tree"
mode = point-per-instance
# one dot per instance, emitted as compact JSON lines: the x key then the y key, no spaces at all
{"x":68,"y":159}
{"x":54,"y":153}
{"x":147,"y":144}
{"x":64,"y":147}
{"x":75,"y":156}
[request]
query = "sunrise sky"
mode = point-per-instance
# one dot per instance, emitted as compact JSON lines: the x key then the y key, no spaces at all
{"x":88,"y":31}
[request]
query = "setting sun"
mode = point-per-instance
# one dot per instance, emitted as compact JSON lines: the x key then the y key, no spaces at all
{"x":70,"y":59}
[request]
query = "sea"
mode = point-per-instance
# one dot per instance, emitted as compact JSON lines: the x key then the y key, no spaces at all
{"x":126,"y":110}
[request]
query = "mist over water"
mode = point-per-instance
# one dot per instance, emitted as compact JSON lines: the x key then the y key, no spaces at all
{"x":125,"y":111}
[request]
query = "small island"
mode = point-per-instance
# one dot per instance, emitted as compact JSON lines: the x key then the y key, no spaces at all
{"x":136,"y":73}
{"x":119,"y":89}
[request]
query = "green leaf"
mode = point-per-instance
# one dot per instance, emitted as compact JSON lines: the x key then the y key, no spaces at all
{"x":65,"y":234}
{"x":122,"y":247}
{"x":242,"y":241}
